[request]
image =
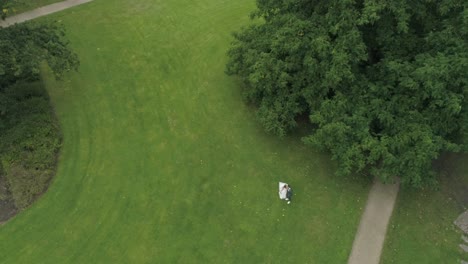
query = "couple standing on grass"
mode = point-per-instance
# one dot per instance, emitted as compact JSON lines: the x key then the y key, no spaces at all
{"x":285,"y":192}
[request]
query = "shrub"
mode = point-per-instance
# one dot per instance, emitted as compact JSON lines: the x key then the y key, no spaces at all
{"x":29,"y":142}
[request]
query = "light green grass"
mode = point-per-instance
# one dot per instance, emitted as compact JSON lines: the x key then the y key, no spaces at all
{"x":162,"y":162}
{"x":421,"y":229}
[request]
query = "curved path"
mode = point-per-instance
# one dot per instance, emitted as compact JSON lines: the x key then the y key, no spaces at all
{"x":370,"y":237}
{"x":41,"y":11}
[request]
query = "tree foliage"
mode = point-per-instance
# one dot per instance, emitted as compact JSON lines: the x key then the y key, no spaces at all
{"x":4,"y":8}
{"x":384,"y":82}
{"x":24,"y":47}
{"x":29,"y":133}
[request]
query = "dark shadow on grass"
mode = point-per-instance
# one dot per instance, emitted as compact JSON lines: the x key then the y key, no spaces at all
{"x":29,"y":147}
{"x":452,"y":169}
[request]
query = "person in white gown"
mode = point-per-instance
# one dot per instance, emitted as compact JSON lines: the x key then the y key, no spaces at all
{"x":285,"y":192}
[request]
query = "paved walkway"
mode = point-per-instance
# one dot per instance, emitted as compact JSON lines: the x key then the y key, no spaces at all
{"x":370,"y":237}
{"x":41,"y":11}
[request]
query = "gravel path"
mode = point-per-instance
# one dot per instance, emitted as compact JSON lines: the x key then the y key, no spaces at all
{"x":370,"y":237}
{"x":41,"y":11}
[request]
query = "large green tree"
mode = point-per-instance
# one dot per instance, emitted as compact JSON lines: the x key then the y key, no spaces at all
{"x":383,"y":82}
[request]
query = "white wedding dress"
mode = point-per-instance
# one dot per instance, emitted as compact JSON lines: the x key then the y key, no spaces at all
{"x":282,"y":191}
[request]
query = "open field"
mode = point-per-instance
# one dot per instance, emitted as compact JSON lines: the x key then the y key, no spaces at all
{"x":162,"y":162}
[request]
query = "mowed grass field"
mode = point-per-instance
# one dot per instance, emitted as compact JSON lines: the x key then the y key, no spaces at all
{"x":163,"y":162}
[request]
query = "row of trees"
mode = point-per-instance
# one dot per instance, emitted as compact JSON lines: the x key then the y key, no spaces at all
{"x":383,"y":82}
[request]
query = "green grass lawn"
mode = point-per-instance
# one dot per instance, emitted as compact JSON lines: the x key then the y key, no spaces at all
{"x":421,"y":229}
{"x":162,"y":162}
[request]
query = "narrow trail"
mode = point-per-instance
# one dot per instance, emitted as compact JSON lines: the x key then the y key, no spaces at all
{"x":370,"y":237}
{"x":41,"y":11}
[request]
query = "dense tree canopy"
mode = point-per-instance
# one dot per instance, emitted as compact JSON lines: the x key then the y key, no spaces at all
{"x":24,"y":47}
{"x":384,"y":82}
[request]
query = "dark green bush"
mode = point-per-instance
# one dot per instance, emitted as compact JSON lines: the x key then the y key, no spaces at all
{"x":29,"y":142}
{"x":22,"y":90}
